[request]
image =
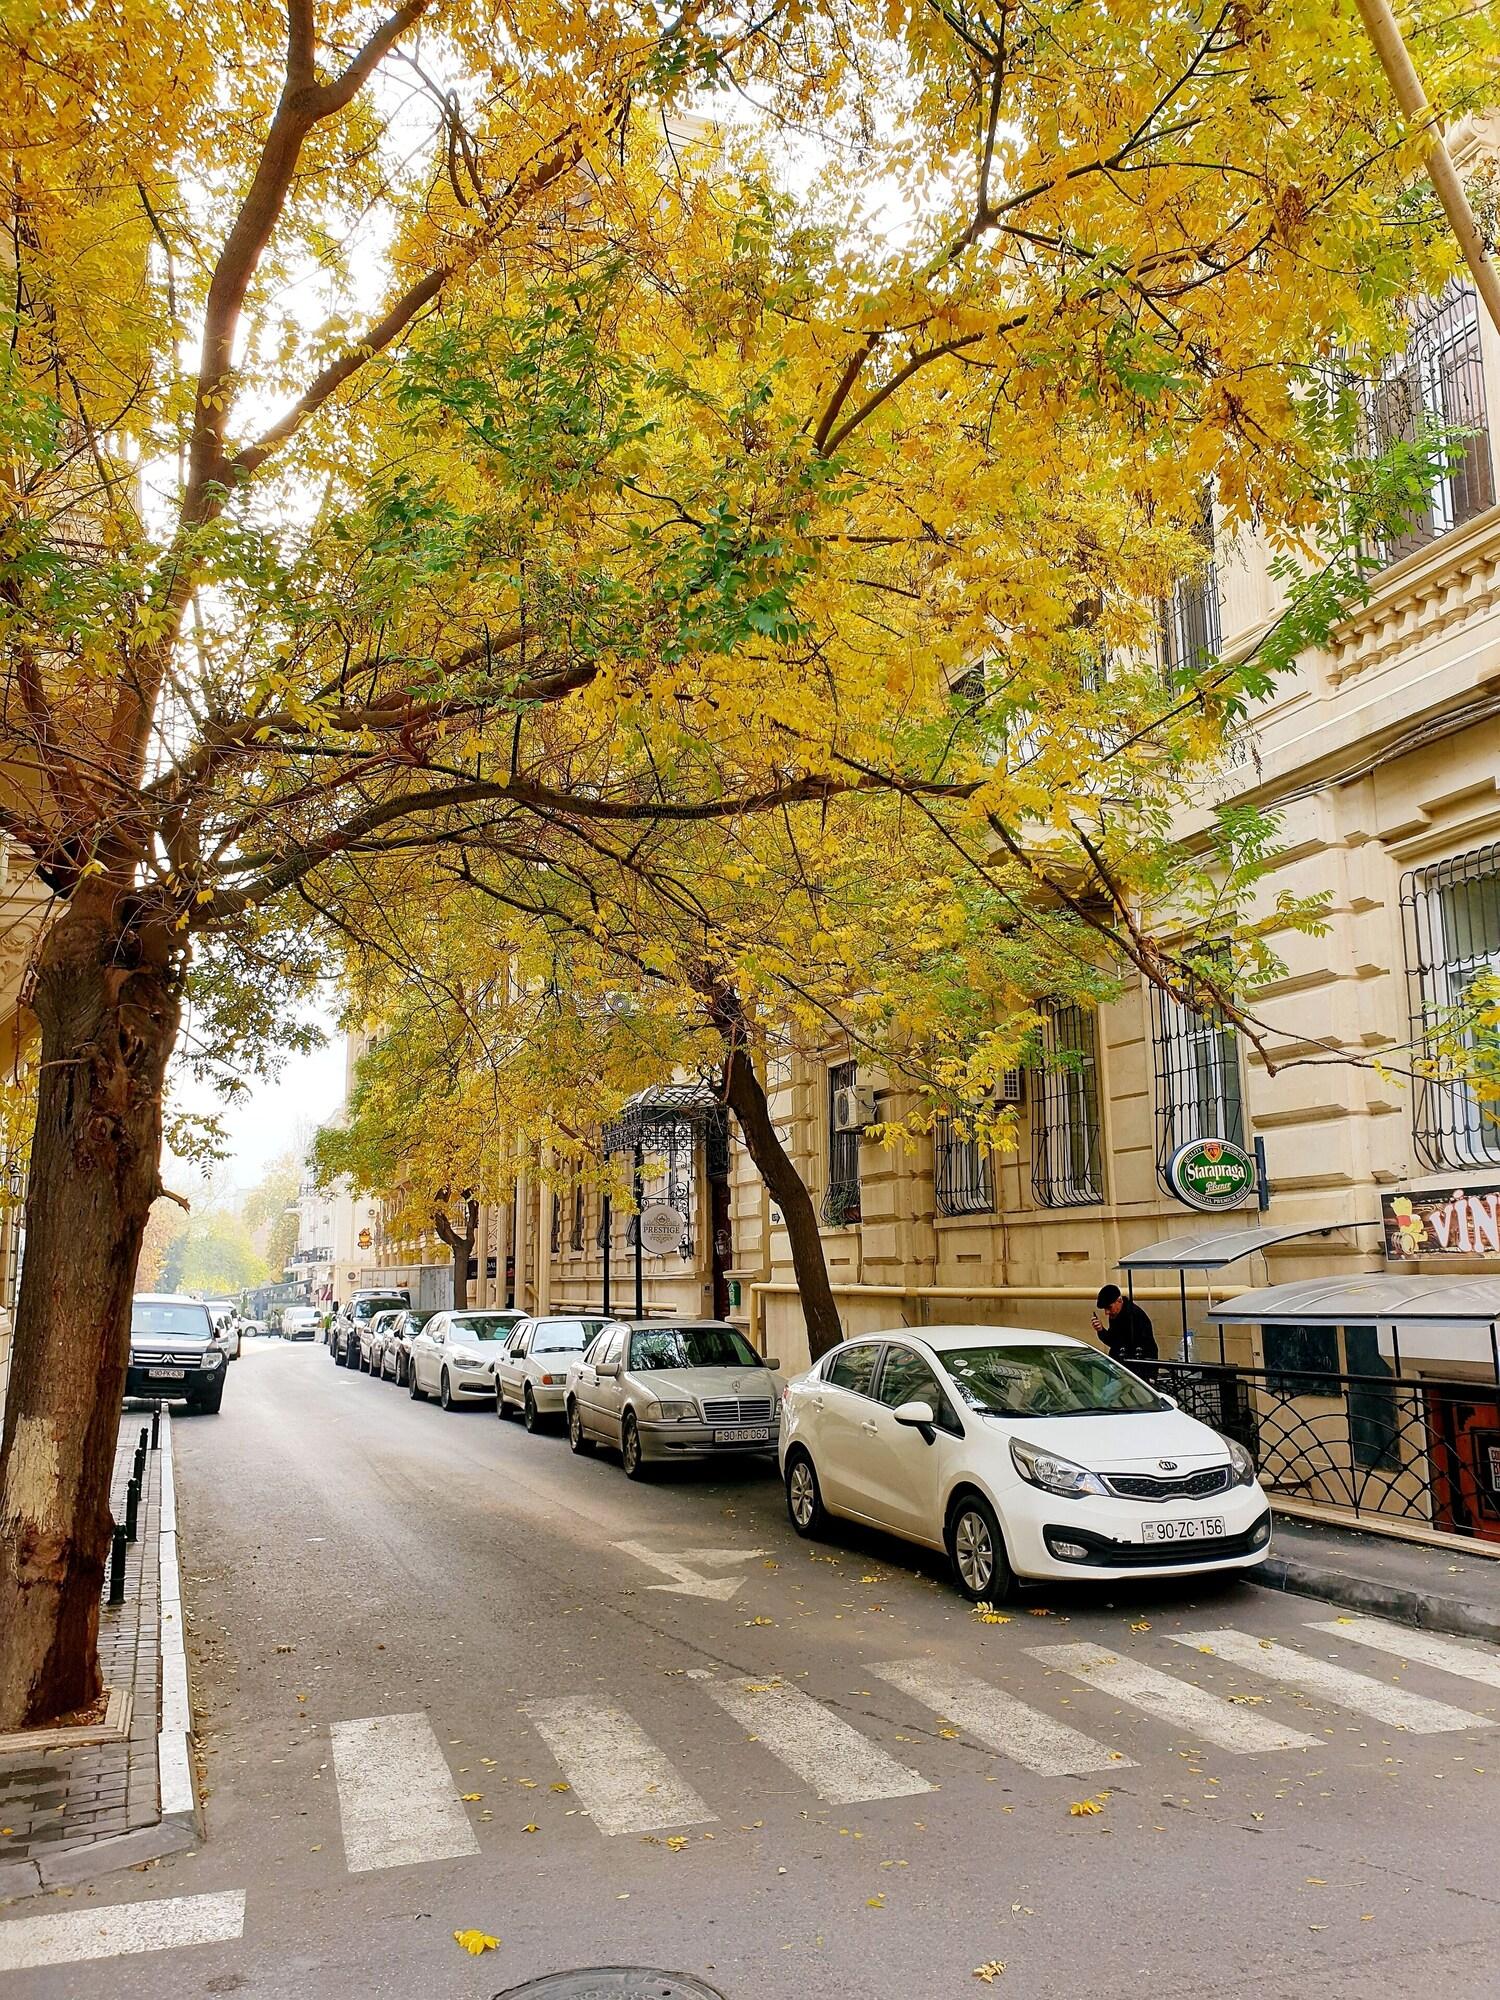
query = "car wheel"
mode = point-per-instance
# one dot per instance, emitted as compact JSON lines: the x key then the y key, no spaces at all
{"x":445,"y":1391}
{"x":578,"y":1439}
{"x":502,"y":1408}
{"x":531,"y":1416}
{"x":403,"y":1371}
{"x":804,"y":1497}
{"x":635,"y":1464}
{"x":418,"y":1394}
{"x":976,"y":1548}
{"x":208,"y":1405}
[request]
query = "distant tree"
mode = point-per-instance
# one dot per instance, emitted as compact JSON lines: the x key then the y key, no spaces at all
{"x":270,"y":1213}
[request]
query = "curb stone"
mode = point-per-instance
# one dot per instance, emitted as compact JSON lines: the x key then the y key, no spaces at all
{"x":1429,"y":1610}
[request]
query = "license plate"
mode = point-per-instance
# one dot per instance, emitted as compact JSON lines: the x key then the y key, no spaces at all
{"x":167,"y":1374}
{"x":746,"y":1434}
{"x":1197,"y":1530}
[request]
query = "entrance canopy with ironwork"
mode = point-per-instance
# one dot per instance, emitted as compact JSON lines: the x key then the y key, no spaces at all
{"x":652,"y":1113}
{"x":1211,"y":1252}
{"x":1374,"y":1298}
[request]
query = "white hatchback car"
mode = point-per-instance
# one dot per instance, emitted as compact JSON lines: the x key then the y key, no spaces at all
{"x":531,"y":1370}
{"x":453,"y":1357}
{"x":1022,"y":1454}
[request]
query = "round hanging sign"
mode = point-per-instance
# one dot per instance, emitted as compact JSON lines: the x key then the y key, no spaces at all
{"x":662,"y":1228}
{"x":1211,"y":1173}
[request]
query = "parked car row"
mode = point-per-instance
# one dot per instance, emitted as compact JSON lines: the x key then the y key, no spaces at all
{"x":1022,"y":1455}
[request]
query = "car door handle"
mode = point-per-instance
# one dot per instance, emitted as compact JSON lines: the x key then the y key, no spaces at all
{"x":817,"y":1402}
{"x":870,"y":1429}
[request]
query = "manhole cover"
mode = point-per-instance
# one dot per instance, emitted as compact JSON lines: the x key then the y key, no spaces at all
{"x":613,"y":1982}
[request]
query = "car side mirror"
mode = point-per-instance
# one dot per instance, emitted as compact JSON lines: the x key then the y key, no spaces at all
{"x":917,"y":1417}
{"x":608,"y":1371}
{"x":770,"y":1361}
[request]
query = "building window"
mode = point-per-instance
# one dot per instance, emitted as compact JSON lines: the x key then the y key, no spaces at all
{"x":1438,"y":383}
{"x":1451,"y":917}
{"x":580,"y":1216}
{"x":1066,"y":1136}
{"x":1198,"y":1094}
{"x":1188,"y":635}
{"x":963,"y":1180}
{"x":1301,"y":1360}
{"x":841,"y":1202}
{"x":554,"y":1240}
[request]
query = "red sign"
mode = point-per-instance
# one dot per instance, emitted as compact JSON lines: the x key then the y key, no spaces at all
{"x":1442,"y":1222}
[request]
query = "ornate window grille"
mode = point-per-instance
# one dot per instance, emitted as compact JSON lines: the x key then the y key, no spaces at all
{"x":841,"y":1201}
{"x":1066,"y":1128}
{"x":962,"y":1177}
{"x":1198,"y":1090}
{"x":1438,"y":383}
{"x":554,"y":1241}
{"x":1188,"y":633}
{"x":1451,"y":917}
{"x":580,"y":1216}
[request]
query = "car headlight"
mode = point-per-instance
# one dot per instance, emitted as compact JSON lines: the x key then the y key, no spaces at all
{"x":667,"y":1413}
{"x":213,"y":1359}
{"x":464,"y":1360}
{"x":1053,"y":1474}
{"x":1242,"y":1463}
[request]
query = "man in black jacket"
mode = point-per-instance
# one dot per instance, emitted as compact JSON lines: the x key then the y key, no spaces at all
{"x":1123,"y":1328}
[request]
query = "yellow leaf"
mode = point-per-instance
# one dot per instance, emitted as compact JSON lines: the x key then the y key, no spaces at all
{"x":677,"y":1841}
{"x":472,"y":1798}
{"x":990,"y":1971}
{"x":875,"y":1902}
{"x":950,"y":1734}
{"x":560,"y":1787}
{"x":1081,"y":1808}
{"x":475,"y":1943}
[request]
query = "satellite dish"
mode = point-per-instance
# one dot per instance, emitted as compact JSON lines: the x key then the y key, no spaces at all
{"x":662,"y":1228}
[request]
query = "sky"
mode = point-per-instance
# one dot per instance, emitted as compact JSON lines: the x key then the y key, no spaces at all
{"x":273,"y":1115}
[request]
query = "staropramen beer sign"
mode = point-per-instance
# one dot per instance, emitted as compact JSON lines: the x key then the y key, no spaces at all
{"x":1211,"y":1173}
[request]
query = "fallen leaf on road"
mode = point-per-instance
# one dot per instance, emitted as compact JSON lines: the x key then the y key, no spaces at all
{"x":1209,"y":1649}
{"x":531,"y":1827}
{"x":1037,"y":1611}
{"x":1141,"y":1625}
{"x":1248,"y":1699}
{"x":472,"y":1798}
{"x":1316,"y":1882}
{"x":988,"y":1615}
{"x":990,"y":1971}
{"x":951,"y":1735}
{"x":1343,"y":1621}
{"x":874,"y":1902}
{"x":760,"y":1621}
{"x":475,"y":1943}
{"x":529,"y":1783}
{"x":1081,"y":1808}
{"x":677,"y":1841}
{"x":559,"y":1788}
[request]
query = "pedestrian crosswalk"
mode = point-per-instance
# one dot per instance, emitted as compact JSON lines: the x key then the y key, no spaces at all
{"x":1244,"y":1695}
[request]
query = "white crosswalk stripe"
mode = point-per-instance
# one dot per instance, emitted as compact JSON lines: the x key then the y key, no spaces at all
{"x":1207,"y":1717}
{"x":1395,"y":1705}
{"x":398,"y":1803}
{"x":73,"y":1936}
{"x":999,"y":1720}
{"x":1452,"y":1656}
{"x":841,"y":1765}
{"x":620,"y":1776}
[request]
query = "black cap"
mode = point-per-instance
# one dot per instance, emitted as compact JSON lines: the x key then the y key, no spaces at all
{"x":1107,"y":1295}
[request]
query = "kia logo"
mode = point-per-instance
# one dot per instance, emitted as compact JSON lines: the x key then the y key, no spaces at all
{"x":1167,"y":1464}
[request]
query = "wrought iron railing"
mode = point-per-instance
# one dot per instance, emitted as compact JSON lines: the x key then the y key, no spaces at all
{"x":1438,"y":383}
{"x":1451,"y":917}
{"x":963,"y":1179}
{"x":1378,"y":1446}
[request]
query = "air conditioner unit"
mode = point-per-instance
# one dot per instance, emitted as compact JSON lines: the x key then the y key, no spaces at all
{"x":1011,"y":1087}
{"x":853,"y":1107}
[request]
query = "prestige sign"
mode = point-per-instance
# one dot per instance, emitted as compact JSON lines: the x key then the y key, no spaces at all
{"x":1442,"y":1222}
{"x":1211,"y":1174}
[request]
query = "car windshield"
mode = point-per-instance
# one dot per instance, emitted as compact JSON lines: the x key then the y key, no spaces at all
{"x":1046,"y":1382}
{"x":190,"y":1321}
{"x":366,"y":1309}
{"x":483,"y":1326}
{"x":692,"y":1347}
{"x":569,"y":1336}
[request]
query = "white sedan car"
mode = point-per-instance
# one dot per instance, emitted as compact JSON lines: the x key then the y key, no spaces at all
{"x":531,"y":1370}
{"x":453,"y":1357}
{"x":1022,"y":1454}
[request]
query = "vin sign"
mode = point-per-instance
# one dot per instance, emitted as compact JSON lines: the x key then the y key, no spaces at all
{"x":1211,"y":1174}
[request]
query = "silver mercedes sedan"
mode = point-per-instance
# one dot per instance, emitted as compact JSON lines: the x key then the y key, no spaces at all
{"x":672,"y":1389}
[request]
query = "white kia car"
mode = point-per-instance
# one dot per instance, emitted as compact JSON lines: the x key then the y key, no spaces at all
{"x":531,"y":1370}
{"x":1022,"y":1454}
{"x":453,"y":1357}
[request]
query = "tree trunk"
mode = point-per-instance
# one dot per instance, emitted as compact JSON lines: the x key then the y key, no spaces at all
{"x":461,"y":1244}
{"x":108,"y":1006}
{"x":747,"y":1100}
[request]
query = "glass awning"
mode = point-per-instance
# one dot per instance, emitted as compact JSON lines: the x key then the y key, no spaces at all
{"x":1211,"y":1250}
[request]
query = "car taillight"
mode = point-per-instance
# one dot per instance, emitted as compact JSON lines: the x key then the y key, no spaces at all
{"x":552,"y":1381}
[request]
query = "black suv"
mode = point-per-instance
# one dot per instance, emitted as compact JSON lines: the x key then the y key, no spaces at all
{"x":344,"y":1334}
{"x":175,"y":1354}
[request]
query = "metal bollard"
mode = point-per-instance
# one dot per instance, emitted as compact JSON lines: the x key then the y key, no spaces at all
{"x":156,"y":1428}
{"x":132,"y":1508}
{"x":117,"y":1566}
{"x":138,"y":1474}
{"x":143,"y":1445}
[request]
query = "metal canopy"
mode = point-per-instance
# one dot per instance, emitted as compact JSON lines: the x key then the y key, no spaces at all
{"x":1221,"y":1246}
{"x":653,"y":1112}
{"x":1376,"y":1298}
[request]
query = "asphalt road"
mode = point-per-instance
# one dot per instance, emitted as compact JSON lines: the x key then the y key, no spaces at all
{"x":786,"y":1769}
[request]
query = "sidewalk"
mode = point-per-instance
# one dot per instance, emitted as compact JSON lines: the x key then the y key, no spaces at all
{"x":71,"y":1810}
{"x":1439,"y":1589}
